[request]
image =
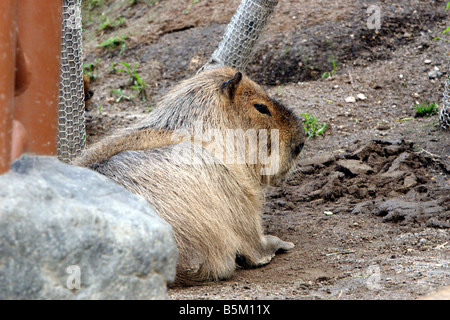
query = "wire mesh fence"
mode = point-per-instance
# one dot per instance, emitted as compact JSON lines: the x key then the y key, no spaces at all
{"x":242,"y":33}
{"x":71,"y":122}
{"x":444,"y":117}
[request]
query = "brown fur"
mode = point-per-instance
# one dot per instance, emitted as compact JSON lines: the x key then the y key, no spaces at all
{"x":213,"y":207}
{"x":88,"y":93}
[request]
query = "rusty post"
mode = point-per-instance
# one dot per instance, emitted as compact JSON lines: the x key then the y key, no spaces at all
{"x":36,"y":107}
{"x":30,"y":46}
{"x":7,"y":67}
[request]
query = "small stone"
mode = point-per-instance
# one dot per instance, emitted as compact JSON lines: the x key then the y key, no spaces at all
{"x":434,"y":74}
{"x":410,"y":181}
{"x":361,"y":96}
{"x":355,"y":166}
{"x":319,"y":159}
{"x":395,"y":174}
{"x":350,"y":99}
{"x":427,"y":61}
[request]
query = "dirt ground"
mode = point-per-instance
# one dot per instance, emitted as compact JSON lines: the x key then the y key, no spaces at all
{"x":368,"y":205}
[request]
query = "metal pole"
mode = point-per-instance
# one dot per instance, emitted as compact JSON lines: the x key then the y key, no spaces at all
{"x":36,"y":103}
{"x":7,"y":66}
{"x":444,"y":117}
{"x":72,"y":132}
{"x":242,"y":34}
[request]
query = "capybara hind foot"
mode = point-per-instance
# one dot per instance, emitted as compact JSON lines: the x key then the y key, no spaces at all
{"x":269,"y":246}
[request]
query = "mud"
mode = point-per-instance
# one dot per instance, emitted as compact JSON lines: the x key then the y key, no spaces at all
{"x":383,"y":178}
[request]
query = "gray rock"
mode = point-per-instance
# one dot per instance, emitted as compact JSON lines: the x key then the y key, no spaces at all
{"x":429,"y":213}
{"x":319,"y":159}
{"x":397,"y":174}
{"x":435,"y":74}
{"x":70,"y":233}
{"x":355,"y":166}
{"x":410,"y":181}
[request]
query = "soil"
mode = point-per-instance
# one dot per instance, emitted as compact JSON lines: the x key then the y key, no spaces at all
{"x":368,"y":205}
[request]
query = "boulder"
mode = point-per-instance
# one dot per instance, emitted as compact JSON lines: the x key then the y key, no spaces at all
{"x":70,"y":233}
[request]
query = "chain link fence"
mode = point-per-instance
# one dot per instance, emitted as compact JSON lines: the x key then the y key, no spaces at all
{"x":71,"y":122}
{"x":444,"y":117}
{"x":242,"y":34}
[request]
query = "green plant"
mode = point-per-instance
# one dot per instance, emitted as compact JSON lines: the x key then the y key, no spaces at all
{"x":139,"y":85}
{"x":88,"y":70}
{"x":128,"y":70}
{"x":137,"y":82}
{"x":448,"y":28}
{"x":121,"y":95}
{"x":94,"y":4}
{"x":312,"y":128}
{"x":114,"y":42}
{"x":110,"y":24}
{"x":186,"y":11}
{"x":426,"y":109}
{"x":333,"y":70}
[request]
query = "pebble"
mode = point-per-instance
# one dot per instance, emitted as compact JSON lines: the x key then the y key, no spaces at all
{"x":361,"y":96}
{"x":350,"y":99}
{"x":410,"y":181}
{"x":427,"y":61}
{"x":434,"y":74}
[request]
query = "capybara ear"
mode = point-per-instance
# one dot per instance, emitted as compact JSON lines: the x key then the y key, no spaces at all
{"x":229,"y":87}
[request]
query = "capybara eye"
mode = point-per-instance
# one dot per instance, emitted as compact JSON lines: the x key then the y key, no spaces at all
{"x":262,"y":108}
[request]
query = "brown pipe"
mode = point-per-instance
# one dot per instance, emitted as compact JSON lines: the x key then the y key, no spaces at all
{"x":7,"y":67}
{"x":36,"y":103}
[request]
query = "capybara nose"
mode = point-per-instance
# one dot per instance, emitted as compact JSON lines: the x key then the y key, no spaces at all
{"x":298,"y":148}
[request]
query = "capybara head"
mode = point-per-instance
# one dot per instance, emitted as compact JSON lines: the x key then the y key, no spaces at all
{"x":250,"y":107}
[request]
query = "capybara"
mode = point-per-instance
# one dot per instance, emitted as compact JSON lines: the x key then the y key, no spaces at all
{"x":202,"y":159}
